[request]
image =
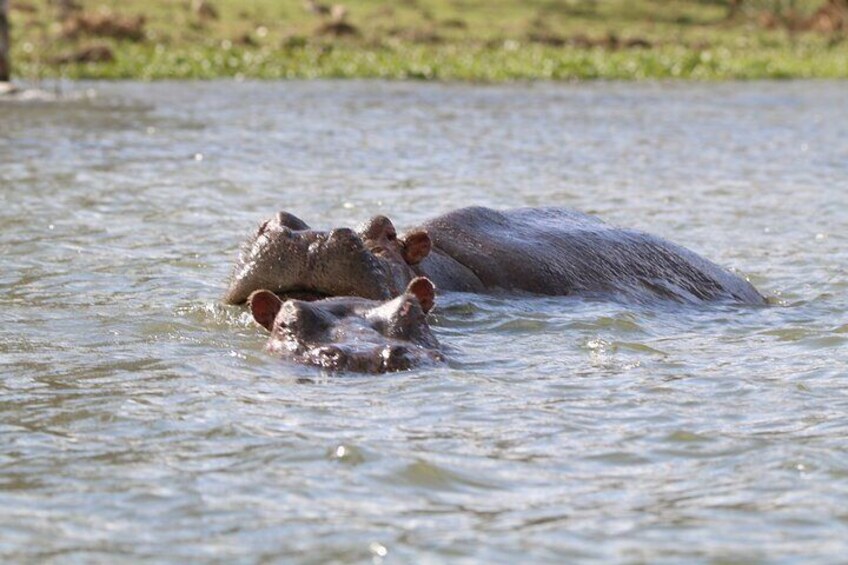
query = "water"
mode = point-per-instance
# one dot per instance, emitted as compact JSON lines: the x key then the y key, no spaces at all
{"x":141,"y":419}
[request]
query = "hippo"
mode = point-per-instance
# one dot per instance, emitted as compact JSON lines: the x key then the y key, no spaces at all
{"x":546,"y":251}
{"x":350,"y":333}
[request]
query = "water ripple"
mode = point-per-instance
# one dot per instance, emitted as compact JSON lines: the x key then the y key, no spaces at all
{"x":142,"y":420}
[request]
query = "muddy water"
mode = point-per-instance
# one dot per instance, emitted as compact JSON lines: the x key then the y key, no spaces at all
{"x":141,"y":419}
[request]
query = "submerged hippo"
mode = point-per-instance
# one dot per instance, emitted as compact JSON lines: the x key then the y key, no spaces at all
{"x":552,"y":251}
{"x":351,"y":334}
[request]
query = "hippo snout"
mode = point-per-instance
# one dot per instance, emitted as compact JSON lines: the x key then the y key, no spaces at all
{"x":286,"y":257}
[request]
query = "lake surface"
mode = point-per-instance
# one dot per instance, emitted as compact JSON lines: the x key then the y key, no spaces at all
{"x":142,"y":420}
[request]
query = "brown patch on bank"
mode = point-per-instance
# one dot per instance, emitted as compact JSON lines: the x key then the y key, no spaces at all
{"x":455,"y":23}
{"x":335,"y":20}
{"x":23,"y":8}
{"x":416,"y":35}
{"x":830,"y":18}
{"x":337,"y":29}
{"x":204,"y":10}
{"x":104,"y":25}
{"x":611,"y":41}
{"x":90,"y":54}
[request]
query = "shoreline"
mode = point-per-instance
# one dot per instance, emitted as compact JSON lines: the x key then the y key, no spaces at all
{"x":426,"y":40}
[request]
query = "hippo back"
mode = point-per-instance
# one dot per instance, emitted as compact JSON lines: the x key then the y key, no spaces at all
{"x":557,"y":251}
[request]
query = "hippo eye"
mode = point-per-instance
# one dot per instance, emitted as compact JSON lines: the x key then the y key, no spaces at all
{"x":377,"y":249}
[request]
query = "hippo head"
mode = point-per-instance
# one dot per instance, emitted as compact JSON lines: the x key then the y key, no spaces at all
{"x":286,"y":257}
{"x":351,"y":334}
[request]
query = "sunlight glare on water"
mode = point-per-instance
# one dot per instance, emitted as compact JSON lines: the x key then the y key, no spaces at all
{"x":142,"y":419}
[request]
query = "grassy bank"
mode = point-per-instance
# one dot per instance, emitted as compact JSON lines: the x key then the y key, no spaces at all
{"x":429,"y":39}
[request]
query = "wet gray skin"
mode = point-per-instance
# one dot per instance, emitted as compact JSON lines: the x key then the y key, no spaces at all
{"x":351,"y":334}
{"x":551,"y":251}
{"x":286,"y":257}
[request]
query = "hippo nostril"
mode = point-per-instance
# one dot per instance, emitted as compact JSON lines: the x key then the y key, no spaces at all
{"x":346,"y":236}
{"x":396,"y":358}
{"x":278,"y":225}
{"x":396,"y":351}
{"x":342,"y":233}
{"x":330,"y":356}
{"x":291,"y":221}
{"x":377,"y":228}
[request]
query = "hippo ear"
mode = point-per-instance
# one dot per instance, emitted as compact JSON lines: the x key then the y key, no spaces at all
{"x":422,"y":289}
{"x":416,"y":246}
{"x":264,"y":306}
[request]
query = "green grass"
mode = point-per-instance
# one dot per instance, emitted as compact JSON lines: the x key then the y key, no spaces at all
{"x":495,"y":40}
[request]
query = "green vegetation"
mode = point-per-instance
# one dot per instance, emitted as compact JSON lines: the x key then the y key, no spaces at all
{"x":491,"y":40}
